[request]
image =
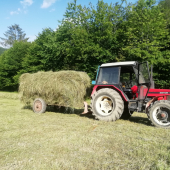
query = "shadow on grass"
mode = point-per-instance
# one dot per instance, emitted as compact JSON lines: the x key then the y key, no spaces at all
{"x":64,"y":110}
{"x":140,"y":120}
{"x":27,"y":107}
{"x":69,"y":110}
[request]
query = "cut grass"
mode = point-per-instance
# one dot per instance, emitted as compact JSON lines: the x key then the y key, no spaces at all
{"x":68,"y":141}
{"x":11,"y":95}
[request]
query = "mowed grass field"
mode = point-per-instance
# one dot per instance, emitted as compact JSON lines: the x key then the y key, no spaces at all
{"x":62,"y":140}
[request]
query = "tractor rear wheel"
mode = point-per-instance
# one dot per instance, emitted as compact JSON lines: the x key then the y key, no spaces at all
{"x":39,"y":106}
{"x":159,"y":114}
{"x":107,"y":104}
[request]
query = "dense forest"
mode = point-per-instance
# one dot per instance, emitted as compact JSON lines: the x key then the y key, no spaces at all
{"x":91,"y":35}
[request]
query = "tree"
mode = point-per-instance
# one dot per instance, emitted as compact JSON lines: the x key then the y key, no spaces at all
{"x":165,"y":6}
{"x":147,"y":38}
{"x":45,"y":53}
{"x":87,"y":37}
{"x":90,"y":36}
{"x":14,"y":33}
{"x":11,"y":64}
{"x":94,"y":35}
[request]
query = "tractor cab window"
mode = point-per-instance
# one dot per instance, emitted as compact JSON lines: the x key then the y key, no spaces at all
{"x":144,"y":76}
{"x":127,"y":77}
{"x":143,"y":72}
{"x":108,"y":75}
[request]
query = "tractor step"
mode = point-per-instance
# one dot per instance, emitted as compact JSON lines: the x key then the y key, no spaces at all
{"x":132,"y":106}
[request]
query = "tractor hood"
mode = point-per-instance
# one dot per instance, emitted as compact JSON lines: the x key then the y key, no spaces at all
{"x":158,"y":92}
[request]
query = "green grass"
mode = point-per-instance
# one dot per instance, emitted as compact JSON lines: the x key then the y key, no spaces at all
{"x":68,"y":141}
{"x":11,"y":95}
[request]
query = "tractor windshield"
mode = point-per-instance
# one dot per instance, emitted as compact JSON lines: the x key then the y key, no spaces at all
{"x":108,"y":75}
{"x":144,"y":76}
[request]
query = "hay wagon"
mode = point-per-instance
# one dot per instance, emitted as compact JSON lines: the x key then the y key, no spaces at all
{"x":62,"y":88}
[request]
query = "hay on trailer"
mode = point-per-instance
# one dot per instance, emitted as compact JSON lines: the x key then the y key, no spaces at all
{"x":62,"y":88}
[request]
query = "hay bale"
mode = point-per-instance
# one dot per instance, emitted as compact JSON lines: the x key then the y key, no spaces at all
{"x":62,"y":88}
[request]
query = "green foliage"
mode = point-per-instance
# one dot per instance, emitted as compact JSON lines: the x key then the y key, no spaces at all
{"x":165,"y":8}
{"x":46,"y":53}
{"x":94,"y":35}
{"x":147,"y":39}
{"x":87,"y":37}
{"x":10,"y":65}
{"x":146,"y":33}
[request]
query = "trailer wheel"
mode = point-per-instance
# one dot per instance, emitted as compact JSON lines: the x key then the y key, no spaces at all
{"x":39,"y":105}
{"x":107,"y":105}
{"x":159,"y":114}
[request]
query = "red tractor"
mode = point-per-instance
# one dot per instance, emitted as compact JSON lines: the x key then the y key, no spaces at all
{"x":122,"y":88}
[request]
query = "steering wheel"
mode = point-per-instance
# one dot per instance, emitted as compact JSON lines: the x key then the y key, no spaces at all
{"x":128,"y":84}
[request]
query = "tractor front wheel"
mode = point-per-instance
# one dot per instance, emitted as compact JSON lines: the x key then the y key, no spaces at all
{"x":39,"y":105}
{"x":107,"y":104}
{"x":159,"y":114}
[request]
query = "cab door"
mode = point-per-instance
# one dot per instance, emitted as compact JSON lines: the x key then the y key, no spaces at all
{"x":144,"y":80}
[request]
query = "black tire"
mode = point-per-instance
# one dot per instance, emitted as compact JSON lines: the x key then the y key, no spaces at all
{"x":126,"y":115}
{"x":39,"y":106}
{"x":159,"y":114}
{"x":107,"y":105}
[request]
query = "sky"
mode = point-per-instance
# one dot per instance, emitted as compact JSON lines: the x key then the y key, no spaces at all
{"x":35,"y":15}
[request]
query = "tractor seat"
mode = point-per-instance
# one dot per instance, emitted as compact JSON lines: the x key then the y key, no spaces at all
{"x":127,"y":92}
{"x":134,"y":91}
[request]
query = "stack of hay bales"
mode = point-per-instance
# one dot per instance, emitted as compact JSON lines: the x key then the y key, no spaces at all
{"x":62,"y":88}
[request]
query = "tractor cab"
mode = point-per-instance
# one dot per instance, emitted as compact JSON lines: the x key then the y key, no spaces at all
{"x":127,"y":77}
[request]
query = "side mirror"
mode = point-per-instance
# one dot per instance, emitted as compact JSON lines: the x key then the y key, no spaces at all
{"x":93,"y":82}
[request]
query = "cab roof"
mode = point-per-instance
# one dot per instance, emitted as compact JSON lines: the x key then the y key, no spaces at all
{"x":131,"y":63}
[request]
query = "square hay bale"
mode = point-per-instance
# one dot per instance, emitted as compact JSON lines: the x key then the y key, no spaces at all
{"x":62,"y":88}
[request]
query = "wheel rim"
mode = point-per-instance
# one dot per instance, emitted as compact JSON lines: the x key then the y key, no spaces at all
{"x":161,"y":115}
{"x":104,"y":105}
{"x":37,"y":106}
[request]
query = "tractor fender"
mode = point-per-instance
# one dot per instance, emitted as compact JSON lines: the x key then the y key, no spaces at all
{"x":152,"y":100}
{"x":98,"y":87}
